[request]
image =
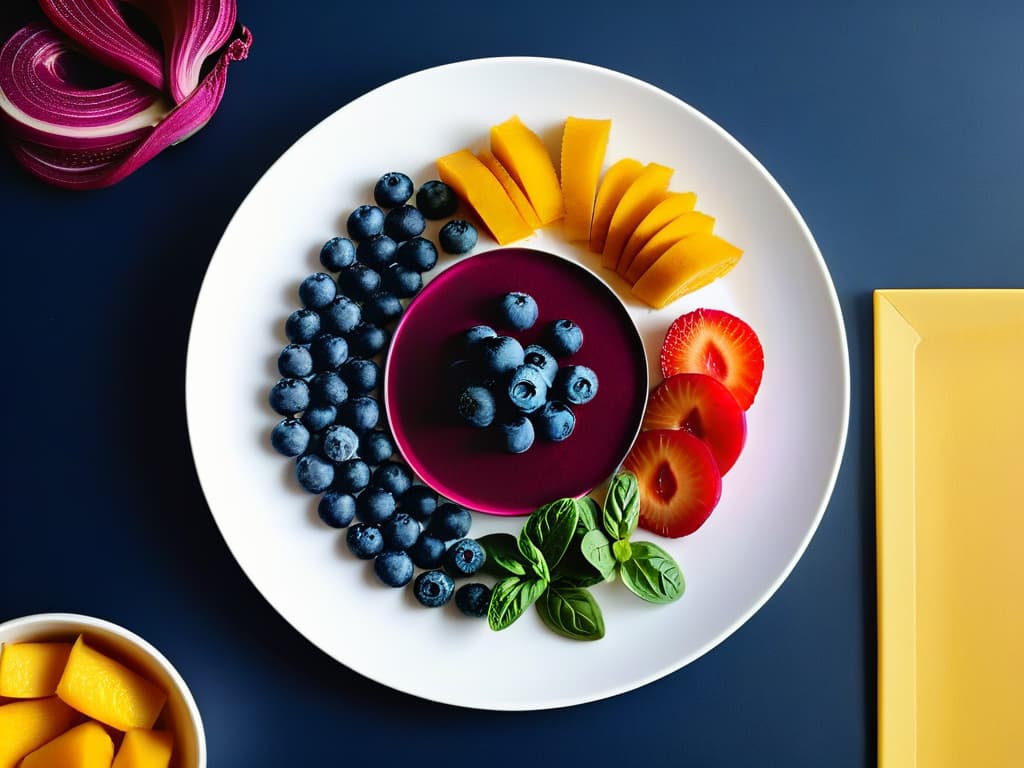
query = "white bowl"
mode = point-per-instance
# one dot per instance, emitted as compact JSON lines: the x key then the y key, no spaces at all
{"x":180,"y":715}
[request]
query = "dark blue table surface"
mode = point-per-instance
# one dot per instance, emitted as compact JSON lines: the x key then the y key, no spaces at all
{"x":896,"y":128}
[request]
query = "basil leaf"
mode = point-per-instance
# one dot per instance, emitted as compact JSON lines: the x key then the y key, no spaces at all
{"x":622,"y":550}
{"x":597,"y":550}
{"x":571,"y":612}
{"x":588,"y":512}
{"x":503,"y":555}
{"x":575,"y":571}
{"x":510,"y":598}
{"x":551,"y":527}
{"x":652,"y":574}
{"x":622,"y":506}
{"x":533,"y":557}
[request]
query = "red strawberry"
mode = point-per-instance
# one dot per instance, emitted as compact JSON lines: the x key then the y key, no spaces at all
{"x":703,"y":407}
{"x":679,"y":481}
{"x":719,"y":344}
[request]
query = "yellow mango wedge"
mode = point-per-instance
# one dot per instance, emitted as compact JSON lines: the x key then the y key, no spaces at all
{"x":84,"y":746}
{"x":476,"y":185}
{"x":672,"y":206}
{"x":524,"y":155}
{"x":31,"y":670}
{"x":616,"y":181}
{"x":515,"y":194}
{"x":584,"y":142}
{"x":684,"y":225}
{"x":27,"y":725}
{"x":145,"y":749}
{"x":643,"y":194}
{"x":107,"y":691}
{"x":691,"y":263}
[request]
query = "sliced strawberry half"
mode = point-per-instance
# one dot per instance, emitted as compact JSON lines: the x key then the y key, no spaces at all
{"x":702,"y":406}
{"x":719,"y":344}
{"x":678,"y":479}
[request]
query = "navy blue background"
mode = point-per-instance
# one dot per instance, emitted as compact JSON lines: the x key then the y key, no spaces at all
{"x":895,"y":130}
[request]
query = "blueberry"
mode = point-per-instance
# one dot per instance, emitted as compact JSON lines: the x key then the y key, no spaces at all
{"x":358,"y":281}
{"x":289,"y":396}
{"x":433,"y":588}
{"x":497,"y":356}
{"x":336,"y":509}
{"x":382,"y":308}
{"x":518,"y":310}
{"x":554,"y":421}
{"x":401,"y":281}
{"x":295,"y":362}
{"x":360,"y":374}
{"x":377,"y":252}
{"x":367,"y":340}
{"x":342,"y":315}
{"x":392,"y":477}
{"x":328,"y":351}
{"x":476,"y":334}
{"x":464,"y":558}
{"x":428,"y":551}
{"x":404,"y":223}
{"x":437,"y":200}
{"x":374,"y":505}
{"x":365,"y":221}
{"x":417,"y":254}
{"x":517,"y":434}
{"x":365,"y":541}
{"x":327,"y":388}
{"x":563,"y":338}
{"x":450,"y":521}
{"x":301,"y":326}
{"x":457,"y":237}
{"x":576,"y":384}
{"x":473,"y":599}
{"x":317,"y":290}
{"x":338,"y":253}
{"x":420,"y":502}
{"x":359,"y":413}
{"x":352,"y":476}
{"x":289,"y":437}
{"x":339,"y":443}
{"x":539,"y":357}
{"x":476,"y":406}
{"x":375,"y":447}
{"x":317,"y":417}
{"x":392,"y":189}
{"x":314,"y":473}
{"x":527,"y":389}
{"x":393,"y":568}
{"x":400,"y":531}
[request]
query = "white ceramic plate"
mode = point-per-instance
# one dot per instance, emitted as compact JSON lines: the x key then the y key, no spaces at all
{"x":772,"y":499}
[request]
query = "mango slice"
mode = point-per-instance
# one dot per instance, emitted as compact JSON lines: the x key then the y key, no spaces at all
{"x":616,"y":181}
{"x":143,"y":748}
{"x":682,"y":226}
{"x":27,"y":725}
{"x":691,"y":263}
{"x":643,"y":194}
{"x":515,"y":194}
{"x":464,"y":173}
{"x":672,"y":206}
{"x":107,"y":691}
{"x":522,"y":152}
{"x":31,"y":670}
{"x":84,"y":746}
{"x":584,"y":142}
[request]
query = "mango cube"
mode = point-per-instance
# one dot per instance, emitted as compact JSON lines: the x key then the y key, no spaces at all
{"x":522,"y":152}
{"x":107,"y":691}
{"x":691,"y":263}
{"x":613,"y":186}
{"x":143,"y":748}
{"x":84,"y":746}
{"x":31,"y":670}
{"x":646,"y":191}
{"x":477,"y":186}
{"x":515,"y":194}
{"x":673,"y":206}
{"x":584,"y":142}
{"x":27,"y":725}
{"x":684,"y":225}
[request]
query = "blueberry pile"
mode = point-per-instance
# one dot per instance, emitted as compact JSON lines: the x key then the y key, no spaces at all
{"x":521,"y":392}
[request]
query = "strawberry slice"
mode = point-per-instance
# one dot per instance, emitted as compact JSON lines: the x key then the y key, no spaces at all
{"x":678,"y":479}
{"x":702,"y":406}
{"x":719,"y":344}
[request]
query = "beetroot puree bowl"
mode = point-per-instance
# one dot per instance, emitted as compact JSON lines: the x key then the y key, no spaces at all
{"x":468,"y":465}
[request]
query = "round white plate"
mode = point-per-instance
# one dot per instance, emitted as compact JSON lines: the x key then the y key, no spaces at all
{"x":772,"y":499}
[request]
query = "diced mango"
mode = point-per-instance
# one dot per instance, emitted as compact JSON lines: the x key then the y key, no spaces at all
{"x":643,"y":194}
{"x":672,"y":206}
{"x":584,"y":142}
{"x":107,"y":691}
{"x":84,"y":746}
{"x":476,"y":185}
{"x":515,"y":194}
{"x":31,"y":670}
{"x":27,"y":725}
{"x":691,"y":263}
{"x":143,"y":748}
{"x":613,"y":186}
{"x":682,"y":226}
{"x":522,"y":152}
